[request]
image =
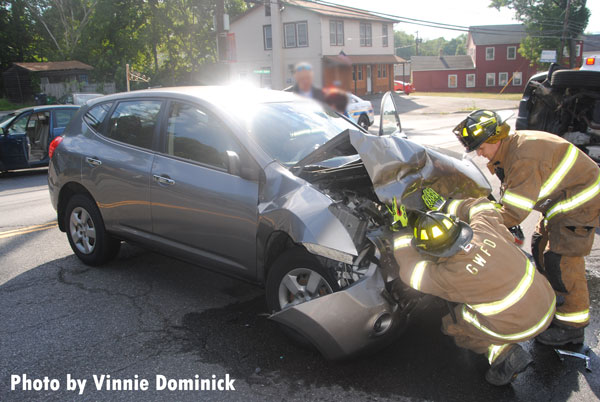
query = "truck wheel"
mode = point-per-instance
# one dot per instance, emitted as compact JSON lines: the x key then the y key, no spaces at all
{"x":86,"y":233}
{"x":296,"y":277}
{"x":575,"y":79}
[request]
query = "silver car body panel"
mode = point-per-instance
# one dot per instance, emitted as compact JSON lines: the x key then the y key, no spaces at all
{"x":292,"y":205}
{"x":342,"y":324}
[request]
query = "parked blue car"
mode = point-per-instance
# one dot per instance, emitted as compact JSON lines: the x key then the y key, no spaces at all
{"x":25,"y":135}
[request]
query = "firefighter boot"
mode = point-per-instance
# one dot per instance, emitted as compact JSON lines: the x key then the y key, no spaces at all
{"x":508,"y":365}
{"x":558,"y":336}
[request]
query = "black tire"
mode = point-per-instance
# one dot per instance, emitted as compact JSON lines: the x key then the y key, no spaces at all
{"x":575,"y":79}
{"x":363,"y":121}
{"x":104,"y":246}
{"x":290,"y":260}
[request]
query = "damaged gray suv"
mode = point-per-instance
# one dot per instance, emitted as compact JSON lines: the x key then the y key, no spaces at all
{"x":263,"y":185}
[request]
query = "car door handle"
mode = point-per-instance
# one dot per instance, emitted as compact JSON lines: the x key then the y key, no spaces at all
{"x":93,"y":161}
{"x":163,"y":180}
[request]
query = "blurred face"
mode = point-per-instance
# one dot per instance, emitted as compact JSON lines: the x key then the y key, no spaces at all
{"x":304,"y":79}
{"x":488,"y":150}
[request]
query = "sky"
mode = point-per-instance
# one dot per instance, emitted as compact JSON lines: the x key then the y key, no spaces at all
{"x":457,"y":12}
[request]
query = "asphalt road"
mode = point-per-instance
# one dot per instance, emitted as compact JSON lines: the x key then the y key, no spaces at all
{"x":145,"y":314}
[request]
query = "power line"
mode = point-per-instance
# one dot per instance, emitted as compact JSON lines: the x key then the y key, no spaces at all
{"x":351,"y":12}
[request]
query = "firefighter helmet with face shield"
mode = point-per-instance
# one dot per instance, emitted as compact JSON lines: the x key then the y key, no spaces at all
{"x":440,"y":235}
{"x":482,"y":126}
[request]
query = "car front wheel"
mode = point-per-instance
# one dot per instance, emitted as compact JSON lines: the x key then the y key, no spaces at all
{"x":86,"y":233}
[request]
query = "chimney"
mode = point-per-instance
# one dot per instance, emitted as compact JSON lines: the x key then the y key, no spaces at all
{"x":441,"y":53}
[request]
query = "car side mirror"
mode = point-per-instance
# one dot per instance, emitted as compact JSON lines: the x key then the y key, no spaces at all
{"x":233,"y":163}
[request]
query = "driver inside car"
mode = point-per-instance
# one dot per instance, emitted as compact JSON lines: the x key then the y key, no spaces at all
{"x":462,"y":252}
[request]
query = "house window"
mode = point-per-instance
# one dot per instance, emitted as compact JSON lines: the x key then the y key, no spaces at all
{"x":470,"y":81}
{"x":517,"y":79}
{"x":295,"y":34}
{"x":490,"y":80}
{"x":336,"y":33}
{"x":267,"y":8}
{"x":502,"y":79}
{"x":379,"y":71}
{"x":384,"y":35}
{"x":452,"y":81}
{"x":267,"y":37}
{"x":353,"y":73}
{"x":511,"y":53}
{"x":360,"y":73}
{"x":577,"y":50}
{"x":366,"y":38}
{"x":490,"y":53}
{"x":384,"y":70}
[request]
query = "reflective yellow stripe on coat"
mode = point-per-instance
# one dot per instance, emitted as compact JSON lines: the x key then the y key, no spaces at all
{"x":518,"y":201}
{"x":510,"y":300}
{"x":559,"y":173}
{"x":484,"y":206}
{"x":473,"y":320}
{"x":576,"y":201}
{"x":417,"y":275}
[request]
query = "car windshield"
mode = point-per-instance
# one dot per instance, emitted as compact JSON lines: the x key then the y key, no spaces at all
{"x":290,"y":131}
{"x":6,"y":119}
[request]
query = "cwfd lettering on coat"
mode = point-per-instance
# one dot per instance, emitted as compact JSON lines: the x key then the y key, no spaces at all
{"x":479,"y":261}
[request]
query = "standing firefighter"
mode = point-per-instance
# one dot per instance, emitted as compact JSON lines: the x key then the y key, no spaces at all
{"x":542,"y":171}
{"x":503,"y":299}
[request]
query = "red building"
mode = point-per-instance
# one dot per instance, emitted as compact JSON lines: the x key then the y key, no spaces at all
{"x":492,"y":64}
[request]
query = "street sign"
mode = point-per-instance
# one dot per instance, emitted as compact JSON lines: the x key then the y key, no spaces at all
{"x":548,"y":56}
{"x":262,"y":71}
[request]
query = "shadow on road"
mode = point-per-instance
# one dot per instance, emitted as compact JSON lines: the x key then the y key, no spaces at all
{"x":145,"y":312}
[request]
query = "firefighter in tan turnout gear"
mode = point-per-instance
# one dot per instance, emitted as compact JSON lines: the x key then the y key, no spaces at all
{"x":503,"y":299}
{"x":543,"y":172}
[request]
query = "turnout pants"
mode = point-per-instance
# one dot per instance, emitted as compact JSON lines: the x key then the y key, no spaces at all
{"x":469,"y":337}
{"x":559,"y":250}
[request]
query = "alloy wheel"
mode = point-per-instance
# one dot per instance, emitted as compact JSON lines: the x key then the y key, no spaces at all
{"x":301,"y":285}
{"x":82,"y":230}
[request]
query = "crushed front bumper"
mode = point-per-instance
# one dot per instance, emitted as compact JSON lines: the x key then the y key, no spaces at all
{"x":343,"y":324}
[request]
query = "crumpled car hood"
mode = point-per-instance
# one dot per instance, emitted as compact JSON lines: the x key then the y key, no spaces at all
{"x":401,"y":168}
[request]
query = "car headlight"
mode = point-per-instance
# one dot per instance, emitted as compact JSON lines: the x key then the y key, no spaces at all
{"x":329,"y":253}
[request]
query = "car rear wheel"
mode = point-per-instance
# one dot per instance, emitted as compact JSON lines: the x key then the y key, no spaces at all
{"x":575,"y":79}
{"x":86,"y":233}
{"x":363,"y":121}
{"x":297,"y":277}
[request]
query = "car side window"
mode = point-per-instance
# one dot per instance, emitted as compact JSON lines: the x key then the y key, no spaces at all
{"x":62,"y":117}
{"x":133,"y":122}
{"x":197,"y":135}
{"x":19,"y":126}
{"x":96,"y":115}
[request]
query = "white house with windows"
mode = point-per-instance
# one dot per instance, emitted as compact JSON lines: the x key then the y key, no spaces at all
{"x":347,"y":47}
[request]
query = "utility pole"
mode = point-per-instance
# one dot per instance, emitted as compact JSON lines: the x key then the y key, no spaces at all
{"x":564,"y":35}
{"x":417,"y":41}
{"x":278,"y":69}
{"x":127,"y":75}
{"x":219,"y":15}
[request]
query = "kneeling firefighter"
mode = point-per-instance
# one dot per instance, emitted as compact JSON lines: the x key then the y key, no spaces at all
{"x":543,"y":172}
{"x":469,"y":257}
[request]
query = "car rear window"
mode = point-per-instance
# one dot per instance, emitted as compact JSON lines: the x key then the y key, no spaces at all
{"x":62,"y":117}
{"x":133,"y":122}
{"x":96,"y":115}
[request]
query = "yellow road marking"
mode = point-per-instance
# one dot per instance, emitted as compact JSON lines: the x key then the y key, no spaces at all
{"x":28,"y":229}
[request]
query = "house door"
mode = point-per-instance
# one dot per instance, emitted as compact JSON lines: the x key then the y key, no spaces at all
{"x":369,"y":88}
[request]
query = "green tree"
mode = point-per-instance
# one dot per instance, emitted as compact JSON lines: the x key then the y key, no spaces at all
{"x":543,"y":20}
